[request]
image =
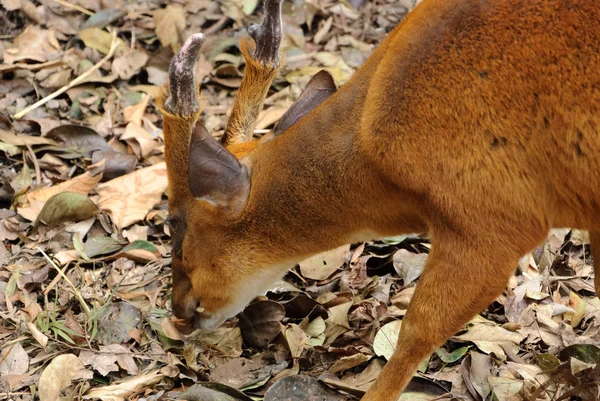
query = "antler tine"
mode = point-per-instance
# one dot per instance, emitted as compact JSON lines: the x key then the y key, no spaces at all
{"x":179,"y":103}
{"x":262,"y":63}
{"x":267,"y":35}
{"x":183,"y":90}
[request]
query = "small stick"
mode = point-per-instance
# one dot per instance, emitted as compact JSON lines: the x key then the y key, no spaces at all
{"x":74,"y":7}
{"x":36,"y":165}
{"x":216,"y":26}
{"x":113,"y":47}
{"x":88,"y":312}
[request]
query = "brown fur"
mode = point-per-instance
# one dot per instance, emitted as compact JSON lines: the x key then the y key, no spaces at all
{"x":248,"y":101}
{"x":477,"y":121}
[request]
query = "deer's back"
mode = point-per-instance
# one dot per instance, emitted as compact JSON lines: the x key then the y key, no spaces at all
{"x":497,"y":98}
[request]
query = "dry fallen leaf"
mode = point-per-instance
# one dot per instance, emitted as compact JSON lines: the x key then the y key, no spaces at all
{"x":386,"y":339}
{"x":329,"y":317}
{"x":140,"y":140}
{"x":129,"y":64}
{"x":170,"y":22}
{"x":129,"y":198}
{"x":491,"y":338}
{"x":296,"y":339}
{"x":126,"y":389}
{"x":58,"y":375}
{"x":34,"y":44}
{"x":106,"y":360}
{"x":35,"y":200}
{"x":323,"y":265}
{"x":408,"y":265}
{"x":135,"y":113}
{"x":261,"y":323}
{"x":14,"y":360}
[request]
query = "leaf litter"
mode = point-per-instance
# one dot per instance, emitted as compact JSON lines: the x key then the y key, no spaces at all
{"x":85,"y":251}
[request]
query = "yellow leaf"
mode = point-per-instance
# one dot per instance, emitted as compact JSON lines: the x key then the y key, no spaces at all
{"x":96,"y":38}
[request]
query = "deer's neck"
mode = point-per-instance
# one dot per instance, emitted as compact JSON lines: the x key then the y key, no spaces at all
{"x":313,"y":189}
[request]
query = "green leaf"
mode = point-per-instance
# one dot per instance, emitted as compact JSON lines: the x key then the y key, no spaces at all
{"x":62,"y":334}
{"x":103,"y":18}
{"x":11,"y":287}
{"x":248,"y":6}
{"x":96,"y":38}
{"x":66,"y":206}
{"x":42,"y":323}
{"x":451,"y":357}
{"x":547,"y":362}
{"x":587,"y":353}
{"x":101,"y":246}
{"x":78,"y":246}
{"x":141,"y":244}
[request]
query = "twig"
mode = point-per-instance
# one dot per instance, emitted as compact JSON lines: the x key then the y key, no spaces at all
{"x":88,"y":312}
{"x":216,"y":26}
{"x":74,"y":7}
{"x":29,"y":67}
{"x":113,"y":47}
{"x":7,"y":354}
{"x":36,"y":165}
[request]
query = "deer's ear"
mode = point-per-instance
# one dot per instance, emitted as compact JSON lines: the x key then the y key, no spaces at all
{"x":214,"y":174}
{"x":317,"y":90}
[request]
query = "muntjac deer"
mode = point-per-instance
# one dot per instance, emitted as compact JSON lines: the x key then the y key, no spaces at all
{"x":477,"y":121}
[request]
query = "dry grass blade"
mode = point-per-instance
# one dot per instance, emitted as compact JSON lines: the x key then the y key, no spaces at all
{"x":63,"y":275}
{"x":113,"y":47}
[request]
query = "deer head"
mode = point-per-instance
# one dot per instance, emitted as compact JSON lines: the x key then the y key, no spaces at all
{"x":218,"y":265}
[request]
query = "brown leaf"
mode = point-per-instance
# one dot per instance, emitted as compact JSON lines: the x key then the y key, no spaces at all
{"x":356,"y":383}
{"x":15,"y":360}
{"x":260,"y":323}
{"x":23,"y":140}
{"x":349,"y":362}
{"x":83,"y":139}
{"x":126,"y":389}
{"x":129,"y":64}
{"x":106,"y":361}
{"x":136,"y":112}
{"x":300,"y":388}
{"x":321,"y":266}
{"x":140,"y":140}
{"x":58,"y":375}
{"x":339,"y":314}
{"x":115,"y":164}
{"x":169,"y":22}
{"x":408,"y":265}
{"x":34,"y":44}
{"x":296,"y":339}
{"x":129,"y":198}
{"x":228,"y":340}
{"x":35,"y":200}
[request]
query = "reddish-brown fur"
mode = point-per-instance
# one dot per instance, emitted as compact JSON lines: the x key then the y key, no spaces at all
{"x":477,"y":121}
{"x":249,"y":102}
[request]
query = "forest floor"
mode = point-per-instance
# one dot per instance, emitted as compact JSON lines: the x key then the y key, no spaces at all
{"x":85,"y":250}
